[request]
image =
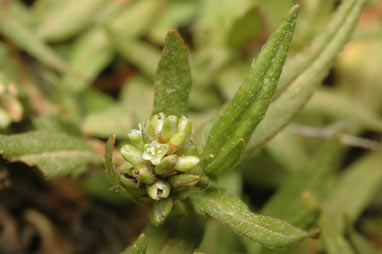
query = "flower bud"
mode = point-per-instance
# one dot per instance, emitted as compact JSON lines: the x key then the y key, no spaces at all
{"x":131,"y":187}
{"x":169,"y":128}
{"x":160,"y":210}
{"x":148,"y":132}
{"x":135,"y":137}
{"x":159,"y":190}
{"x":144,"y":173}
{"x":166,"y":166}
{"x":176,"y":142}
{"x":132,"y":154}
{"x":189,"y":149}
{"x":185,"y":126}
{"x":186,"y":163}
{"x":183,"y":181}
{"x":157,"y":122}
{"x":128,"y":182}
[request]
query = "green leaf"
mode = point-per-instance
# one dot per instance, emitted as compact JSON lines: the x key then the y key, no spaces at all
{"x":138,"y":247}
{"x":138,"y":53}
{"x":109,"y":165}
{"x":244,"y":28}
{"x":287,"y":150}
{"x":227,"y":159}
{"x":324,"y":101}
{"x":126,"y":23}
{"x":126,"y":114}
{"x":89,"y":55}
{"x":251,"y":101}
{"x":219,"y":238}
{"x":174,"y":15}
{"x":66,"y":21}
{"x":180,"y":234}
{"x":231,"y":211}
{"x":134,"y":196}
{"x":173,"y":78}
{"x":53,"y":122}
{"x":295,"y":97}
{"x":289,"y":200}
{"x":359,"y":242}
{"x":332,"y":239}
{"x":305,"y":59}
{"x":355,"y":188}
{"x":25,"y":38}
{"x":55,"y":154}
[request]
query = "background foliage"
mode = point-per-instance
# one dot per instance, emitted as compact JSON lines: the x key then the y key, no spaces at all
{"x":85,"y":70}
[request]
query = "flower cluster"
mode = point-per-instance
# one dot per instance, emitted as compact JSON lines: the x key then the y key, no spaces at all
{"x":10,"y":107}
{"x":163,"y":163}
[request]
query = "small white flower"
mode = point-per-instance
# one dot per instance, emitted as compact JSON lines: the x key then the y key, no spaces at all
{"x":154,"y":152}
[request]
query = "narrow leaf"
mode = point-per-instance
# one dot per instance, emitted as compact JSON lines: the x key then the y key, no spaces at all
{"x":251,"y":101}
{"x":291,"y":102}
{"x":173,"y":78}
{"x":359,"y":242}
{"x":332,"y":239}
{"x":355,"y":188}
{"x":68,"y":20}
{"x":138,"y":247}
{"x":228,"y":159}
{"x":180,"y":234}
{"x":305,"y":59}
{"x":55,"y":154}
{"x":25,"y":38}
{"x":138,"y":53}
{"x":109,"y":158}
{"x":126,"y":25}
{"x":288,"y":200}
{"x":232,"y":212}
{"x":324,"y":101}
{"x":287,"y":150}
{"x":89,"y":55}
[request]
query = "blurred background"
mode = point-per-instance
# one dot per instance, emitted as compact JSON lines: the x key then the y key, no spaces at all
{"x":86,"y":68}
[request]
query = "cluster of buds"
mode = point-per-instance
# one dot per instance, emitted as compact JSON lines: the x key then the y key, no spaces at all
{"x":10,"y":107}
{"x":163,"y":162}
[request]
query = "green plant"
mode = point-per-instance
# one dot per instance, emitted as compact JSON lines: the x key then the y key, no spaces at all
{"x":198,"y":135}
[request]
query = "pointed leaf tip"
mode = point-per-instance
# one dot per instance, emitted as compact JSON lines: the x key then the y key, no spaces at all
{"x":173,"y":77}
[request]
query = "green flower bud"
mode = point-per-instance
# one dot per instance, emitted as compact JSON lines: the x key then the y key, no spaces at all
{"x":157,"y":122}
{"x":131,"y":187}
{"x":185,"y":126}
{"x":176,"y":142}
{"x":154,"y":152}
{"x":183,"y":181}
{"x":144,"y":173}
{"x":128,"y":182}
{"x":135,"y":137}
{"x":160,"y":210}
{"x":169,"y":128}
{"x":5,"y":119}
{"x":132,"y":154}
{"x":189,"y":149}
{"x":204,"y":180}
{"x":166,"y":166}
{"x":148,"y":132}
{"x":159,"y":190}
{"x":186,"y":163}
